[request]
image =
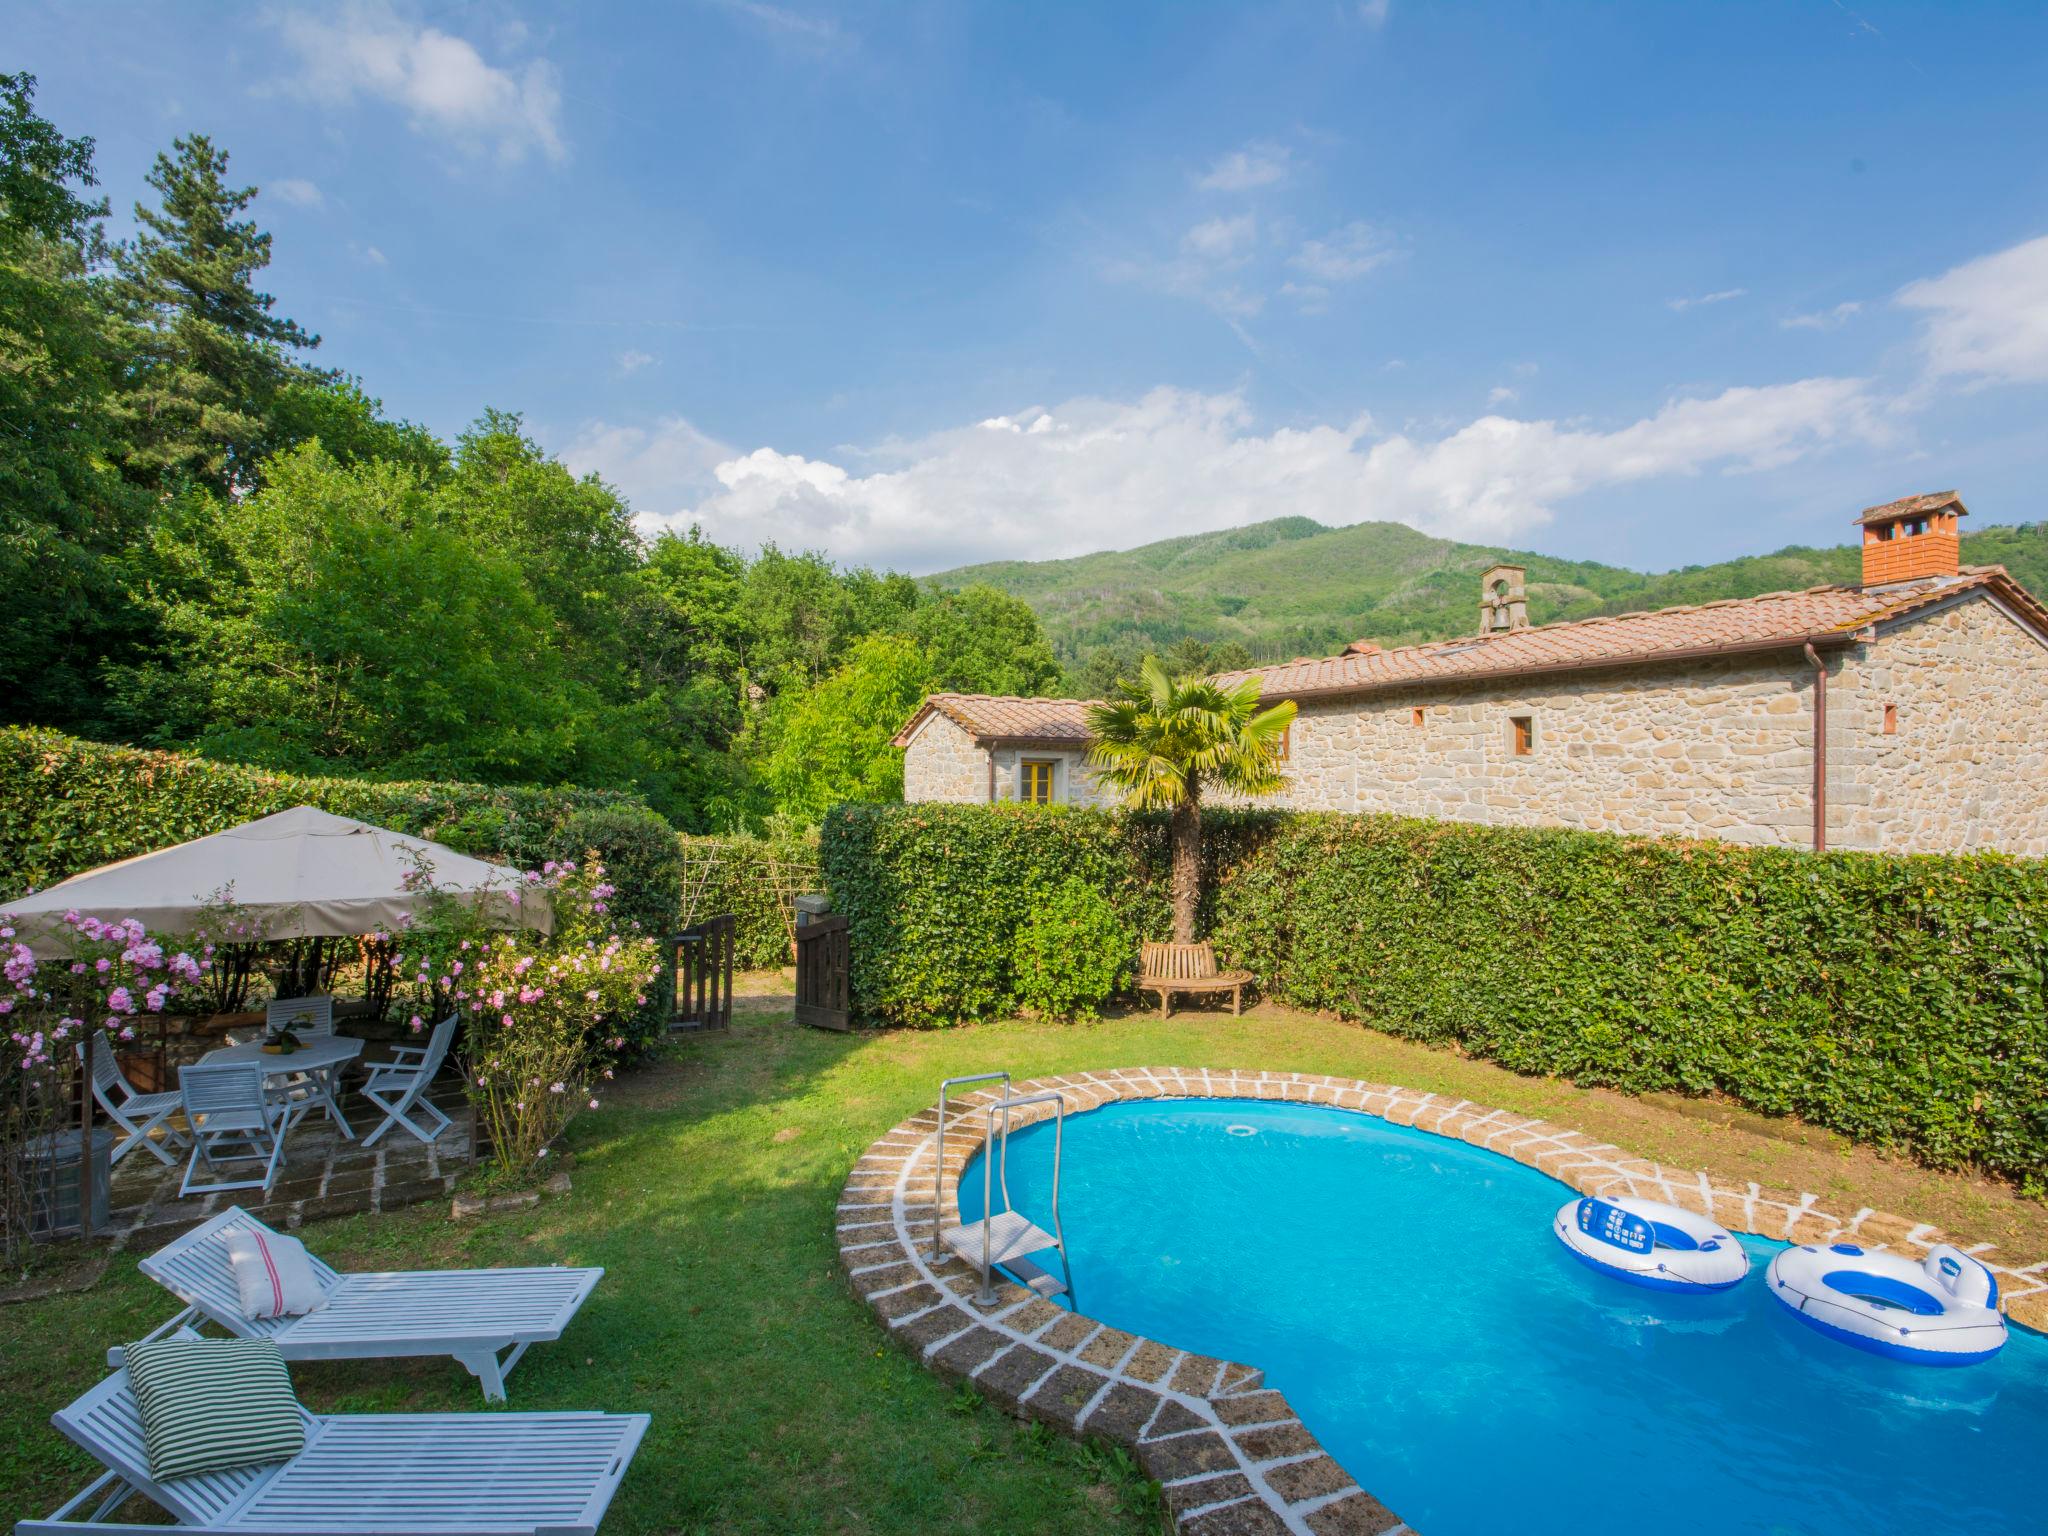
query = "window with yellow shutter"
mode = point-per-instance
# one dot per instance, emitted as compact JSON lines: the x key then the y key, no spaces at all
{"x":1034,"y":782}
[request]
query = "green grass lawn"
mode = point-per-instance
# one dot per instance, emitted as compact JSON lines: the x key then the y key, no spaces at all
{"x":706,"y":1188}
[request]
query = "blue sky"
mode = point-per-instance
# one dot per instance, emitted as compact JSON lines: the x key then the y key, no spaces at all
{"x":918,"y":284}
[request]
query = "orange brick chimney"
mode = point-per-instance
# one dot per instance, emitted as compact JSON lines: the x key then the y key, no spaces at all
{"x":1911,"y":538}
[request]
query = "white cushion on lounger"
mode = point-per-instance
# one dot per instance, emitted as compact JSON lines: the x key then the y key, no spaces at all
{"x":273,"y":1274}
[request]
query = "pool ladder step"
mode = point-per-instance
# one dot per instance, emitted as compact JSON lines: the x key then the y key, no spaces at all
{"x":1010,"y":1238}
{"x":1004,"y":1237}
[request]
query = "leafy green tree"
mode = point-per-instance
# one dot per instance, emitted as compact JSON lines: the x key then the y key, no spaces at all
{"x":338,"y":415}
{"x":65,"y":513}
{"x":831,"y":743}
{"x":983,"y":640}
{"x":574,"y":537}
{"x":1166,"y":741}
{"x":208,"y":356}
{"x":332,"y":623}
{"x":805,"y":614}
{"x":685,"y":631}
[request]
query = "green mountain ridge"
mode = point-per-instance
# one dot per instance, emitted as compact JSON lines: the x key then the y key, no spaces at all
{"x":1291,"y":586}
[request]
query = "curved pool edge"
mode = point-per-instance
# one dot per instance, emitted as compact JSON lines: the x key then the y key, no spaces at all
{"x":1232,"y":1455}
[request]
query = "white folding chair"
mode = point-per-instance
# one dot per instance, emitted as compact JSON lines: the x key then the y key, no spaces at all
{"x":315,"y":1014}
{"x":226,"y":1108}
{"x":309,"y":1016}
{"x":136,"y":1113}
{"x":396,"y":1086}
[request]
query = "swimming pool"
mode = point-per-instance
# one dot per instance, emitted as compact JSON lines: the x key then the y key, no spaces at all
{"x":1405,"y":1292}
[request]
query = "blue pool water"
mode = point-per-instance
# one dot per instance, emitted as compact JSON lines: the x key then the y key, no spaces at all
{"x":1405,"y":1292}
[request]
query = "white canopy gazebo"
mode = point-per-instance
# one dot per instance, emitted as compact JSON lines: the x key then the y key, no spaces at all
{"x":301,"y":873}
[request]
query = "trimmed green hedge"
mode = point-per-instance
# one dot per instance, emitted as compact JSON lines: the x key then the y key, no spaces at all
{"x":68,"y":805}
{"x":1899,"y":1000}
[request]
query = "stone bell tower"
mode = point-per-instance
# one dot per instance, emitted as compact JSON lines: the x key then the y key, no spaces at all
{"x":1503,"y":602}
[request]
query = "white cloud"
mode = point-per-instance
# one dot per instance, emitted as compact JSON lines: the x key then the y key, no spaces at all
{"x":1500,"y":394}
{"x":372,"y":255}
{"x":1092,"y":473}
{"x":780,"y":21}
{"x":1721,"y":296}
{"x":443,"y":84}
{"x":1309,"y":298}
{"x":1344,"y":254}
{"x":1823,"y":319}
{"x":297,"y":191}
{"x":632,"y":361}
{"x":1222,"y":240}
{"x":1374,"y":12}
{"x":1986,"y":320}
{"x":1258,"y":164}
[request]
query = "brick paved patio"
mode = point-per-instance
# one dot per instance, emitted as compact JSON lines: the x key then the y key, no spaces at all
{"x":322,"y":1175}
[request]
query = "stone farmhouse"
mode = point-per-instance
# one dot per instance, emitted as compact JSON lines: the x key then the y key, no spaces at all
{"x":1906,"y":713}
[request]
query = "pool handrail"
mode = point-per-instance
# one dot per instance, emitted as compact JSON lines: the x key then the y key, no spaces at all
{"x":1006,"y":1104}
{"x":939,"y":1169}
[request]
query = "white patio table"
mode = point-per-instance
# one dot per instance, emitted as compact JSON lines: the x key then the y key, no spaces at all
{"x":317,"y":1058}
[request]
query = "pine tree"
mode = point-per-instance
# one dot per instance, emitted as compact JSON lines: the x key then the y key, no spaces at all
{"x":65,"y":512}
{"x":208,"y":354}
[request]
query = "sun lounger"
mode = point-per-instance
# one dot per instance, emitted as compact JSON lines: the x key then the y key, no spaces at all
{"x":474,"y":1316}
{"x":363,"y":1474}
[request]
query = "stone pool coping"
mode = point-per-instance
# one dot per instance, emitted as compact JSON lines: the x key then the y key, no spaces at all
{"x":1232,"y":1456}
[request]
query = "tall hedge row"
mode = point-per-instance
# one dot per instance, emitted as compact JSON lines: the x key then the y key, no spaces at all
{"x":67,"y":805}
{"x":1899,"y":1000}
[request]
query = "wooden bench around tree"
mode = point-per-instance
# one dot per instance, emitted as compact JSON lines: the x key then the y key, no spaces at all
{"x":1171,"y":968}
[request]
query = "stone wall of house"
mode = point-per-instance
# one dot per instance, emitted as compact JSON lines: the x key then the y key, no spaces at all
{"x":1715,"y":749}
{"x":1721,"y":749}
{"x":1966,"y":766}
{"x":943,"y":763}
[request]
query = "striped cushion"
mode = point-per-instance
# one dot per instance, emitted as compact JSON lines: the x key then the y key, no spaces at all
{"x":209,"y":1405}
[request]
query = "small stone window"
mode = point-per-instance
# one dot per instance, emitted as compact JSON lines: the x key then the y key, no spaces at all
{"x":1034,"y":780}
{"x":1891,"y":719}
{"x":1284,"y":748}
{"x":1415,"y":719}
{"x":1522,"y":734}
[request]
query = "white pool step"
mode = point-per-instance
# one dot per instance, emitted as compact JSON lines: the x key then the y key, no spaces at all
{"x":1010,"y":1238}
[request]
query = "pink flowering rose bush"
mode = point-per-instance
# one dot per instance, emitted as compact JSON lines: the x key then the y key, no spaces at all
{"x":112,"y":974}
{"x":543,"y":1018}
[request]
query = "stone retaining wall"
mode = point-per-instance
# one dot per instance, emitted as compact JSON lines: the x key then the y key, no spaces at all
{"x":1233,"y":1457}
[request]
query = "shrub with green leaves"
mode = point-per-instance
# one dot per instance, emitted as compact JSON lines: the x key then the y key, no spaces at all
{"x":1073,"y":954}
{"x":1896,"y":999}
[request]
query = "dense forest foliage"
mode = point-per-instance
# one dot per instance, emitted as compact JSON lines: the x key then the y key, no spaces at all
{"x":210,"y":542}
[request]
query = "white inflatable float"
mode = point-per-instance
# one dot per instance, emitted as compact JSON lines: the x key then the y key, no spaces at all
{"x":1942,"y":1310}
{"x":1649,"y":1243}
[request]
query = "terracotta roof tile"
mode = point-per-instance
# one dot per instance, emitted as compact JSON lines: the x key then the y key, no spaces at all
{"x":1819,"y":614}
{"x":992,"y":717}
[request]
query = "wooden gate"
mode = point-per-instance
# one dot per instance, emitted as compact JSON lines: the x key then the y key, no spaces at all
{"x":822,"y":974}
{"x":700,"y":975}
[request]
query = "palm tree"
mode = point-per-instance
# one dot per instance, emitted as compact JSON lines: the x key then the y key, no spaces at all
{"x":1164,"y":741}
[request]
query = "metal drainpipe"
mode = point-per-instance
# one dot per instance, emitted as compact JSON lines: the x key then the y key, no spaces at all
{"x":1820,"y":750}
